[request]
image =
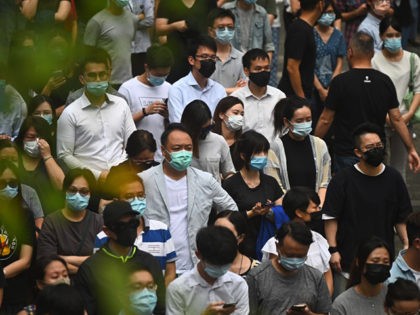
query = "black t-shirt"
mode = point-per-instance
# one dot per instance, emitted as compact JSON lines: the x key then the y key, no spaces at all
{"x":300,"y":162}
{"x":299,"y":45}
{"x":246,"y":198}
{"x":365,"y":206}
{"x":358,"y":96}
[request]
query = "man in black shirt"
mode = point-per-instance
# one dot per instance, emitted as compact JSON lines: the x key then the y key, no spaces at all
{"x":359,"y":95}
{"x":367,"y":199}
{"x":300,"y":51}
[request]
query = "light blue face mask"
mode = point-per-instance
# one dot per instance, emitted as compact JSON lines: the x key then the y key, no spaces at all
{"x":77,"y":202}
{"x":8,"y":193}
{"x":48,"y":118}
{"x":97,"y":88}
{"x":143,"y":302}
{"x":291,"y":263}
{"x":393,"y":45}
{"x":180,"y":160}
{"x":224,"y":36}
{"x":121,"y":3}
{"x":302,"y":129}
{"x":216,"y":271}
{"x":326,"y":19}
{"x":139,"y":205}
{"x":258,"y":162}
{"x":155,"y":80}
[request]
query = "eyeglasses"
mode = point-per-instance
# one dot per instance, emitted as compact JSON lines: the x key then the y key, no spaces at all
{"x":73,"y":190}
{"x":92,"y":76}
{"x":374,"y":145}
{"x":207,"y":57}
{"x":130,"y":197}
{"x":13,"y":183}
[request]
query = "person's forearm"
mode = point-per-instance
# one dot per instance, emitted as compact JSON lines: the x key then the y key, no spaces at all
{"x":321,"y":193}
{"x":402,"y":233}
{"x":165,"y":29}
{"x":330,"y":227}
{"x":63,"y":11}
{"x":414,"y":105}
{"x":170,"y":273}
{"x":28,"y":8}
{"x":55,"y":173}
{"x":402,"y":130}
{"x":295,"y":80}
{"x":323,"y":125}
{"x":75,"y":260}
{"x":329,"y":280}
{"x":317,"y":83}
{"x":348,"y":16}
{"x":23,"y":263}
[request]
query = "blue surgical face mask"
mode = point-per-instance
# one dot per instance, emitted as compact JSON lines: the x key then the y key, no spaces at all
{"x":143,"y":302}
{"x":121,"y":3}
{"x":393,"y":45}
{"x":258,"y":162}
{"x":235,"y":122}
{"x":224,"y":36}
{"x":155,"y":80}
{"x":8,"y":192}
{"x":326,"y":19}
{"x":138,"y":205}
{"x":302,"y":129}
{"x":77,"y":202}
{"x":180,"y":160}
{"x":48,"y":118}
{"x":97,"y":88}
{"x":291,"y":263}
{"x":216,"y":271}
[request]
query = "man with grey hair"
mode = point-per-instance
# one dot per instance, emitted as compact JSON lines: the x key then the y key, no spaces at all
{"x":360,"y":95}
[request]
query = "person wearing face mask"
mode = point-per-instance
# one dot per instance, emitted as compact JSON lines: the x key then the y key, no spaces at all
{"x":366,"y":199}
{"x":228,"y":122}
{"x":153,"y":236}
{"x":70,"y":232}
{"x":210,"y":288}
{"x":300,"y":159}
{"x":366,"y":289}
{"x":258,"y":97}
{"x":377,"y":11}
{"x":182,"y":196}
{"x":253,"y":191}
{"x":229,"y":72}
{"x":301,"y":204}
{"x":196,"y":85}
{"x":211,"y":152}
{"x":104,"y":274}
{"x":147,"y":93}
{"x":402,"y":298}
{"x":286,"y":285}
{"x":41,"y":106}
{"x":37,"y":164}
{"x":17,"y":237}
{"x":398,"y":65}
{"x":83,"y":139}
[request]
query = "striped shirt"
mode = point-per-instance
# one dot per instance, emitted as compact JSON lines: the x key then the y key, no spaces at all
{"x":155,"y":239}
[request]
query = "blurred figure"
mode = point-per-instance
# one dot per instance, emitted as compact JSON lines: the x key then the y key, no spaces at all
{"x":403,"y":297}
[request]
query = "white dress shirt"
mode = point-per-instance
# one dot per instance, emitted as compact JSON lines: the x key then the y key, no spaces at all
{"x":94,"y":137}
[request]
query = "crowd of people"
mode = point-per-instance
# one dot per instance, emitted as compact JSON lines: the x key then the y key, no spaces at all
{"x":152,"y":161}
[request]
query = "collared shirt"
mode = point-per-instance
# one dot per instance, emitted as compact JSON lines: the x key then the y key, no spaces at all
{"x":191,"y":294}
{"x":186,"y":90}
{"x":258,"y":112}
{"x":259,"y":29}
{"x":370,"y":25}
{"x":229,"y":72}
{"x":94,"y":137}
{"x":400,"y":269}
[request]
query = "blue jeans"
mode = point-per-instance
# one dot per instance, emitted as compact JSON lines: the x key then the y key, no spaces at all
{"x":343,"y":161}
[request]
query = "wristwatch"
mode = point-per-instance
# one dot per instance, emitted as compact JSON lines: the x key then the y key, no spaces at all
{"x":333,"y":249}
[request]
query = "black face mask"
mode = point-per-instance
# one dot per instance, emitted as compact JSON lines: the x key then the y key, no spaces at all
{"x":377,"y":273}
{"x":374,"y":157}
{"x":207,"y":68}
{"x":142,"y":166}
{"x":126,"y":232}
{"x":260,"y":78}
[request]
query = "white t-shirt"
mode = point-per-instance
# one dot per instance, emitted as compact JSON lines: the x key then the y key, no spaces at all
{"x":318,"y":254}
{"x":140,"y":95}
{"x":177,"y":191}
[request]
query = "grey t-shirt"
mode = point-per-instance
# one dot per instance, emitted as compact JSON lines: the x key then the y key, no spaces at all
{"x":30,"y":197}
{"x":352,"y":303}
{"x":272,"y":293}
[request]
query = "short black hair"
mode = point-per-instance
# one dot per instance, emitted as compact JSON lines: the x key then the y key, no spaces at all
{"x":387,"y":22}
{"x":253,"y":54}
{"x":307,"y":5}
{"x":363,"y":129}
{"x":74,"y":173}
{"x":60,"y":299}
{"x":401,"y":290}
{"x":285,"y":108}
{"x":296,"y":230}
{"x":298,"y":198}
{"x":43,"y":263}
{"x":158,"y":56}
{"x":95,"y":55}
{"x":219,"y":13}
{"x":413,"y":227}
{"x":249,"y":143}
{"x":217,"y":245}
{"x":201,"y":40}
{"x":362,"y":44}
{"x":139,"y":141}
{"x":41,"y":127}
{"x":238,"y":221}
{"x":222,"y":107}
{"x":173,"y":127}
{"x":38,"y":100}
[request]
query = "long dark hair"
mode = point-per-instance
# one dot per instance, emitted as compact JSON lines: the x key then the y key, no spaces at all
{"x":38,"y":100}
{"x":286,"y":108}
{"x":222,"y":107}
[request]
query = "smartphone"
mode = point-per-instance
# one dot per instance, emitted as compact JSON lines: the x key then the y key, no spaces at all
{"x":298,"y":307}
{"x":227,"y":305}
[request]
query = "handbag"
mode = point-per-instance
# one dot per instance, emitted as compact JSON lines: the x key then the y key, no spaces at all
{"x":408,"y":98}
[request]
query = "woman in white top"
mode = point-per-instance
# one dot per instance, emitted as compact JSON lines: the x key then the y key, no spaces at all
{"x":210,"y":150}
{"x":301,"y":204}
{"x":395,"y":62}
